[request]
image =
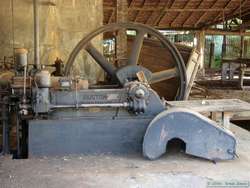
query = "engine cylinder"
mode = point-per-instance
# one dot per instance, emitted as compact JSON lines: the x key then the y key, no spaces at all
{"x":21,"y":57}
{"x":43,"y":79}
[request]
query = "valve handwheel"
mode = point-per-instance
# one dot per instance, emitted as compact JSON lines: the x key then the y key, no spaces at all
{"x":128,"y":72}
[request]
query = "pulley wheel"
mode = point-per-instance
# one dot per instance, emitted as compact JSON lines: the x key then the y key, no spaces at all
{"x":132,"y":62}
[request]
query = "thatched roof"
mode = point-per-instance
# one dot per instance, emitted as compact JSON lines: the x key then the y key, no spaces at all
{"x":179,"y":13}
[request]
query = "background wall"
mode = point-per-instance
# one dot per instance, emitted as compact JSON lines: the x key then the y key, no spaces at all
{"x":61,"y":27}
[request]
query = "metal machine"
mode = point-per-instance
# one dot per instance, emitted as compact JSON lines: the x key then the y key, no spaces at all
{"x":64,"y":115}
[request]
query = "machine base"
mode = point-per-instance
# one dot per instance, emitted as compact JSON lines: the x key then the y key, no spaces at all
{"x":86,"y":136}
{"x":131,"y":134}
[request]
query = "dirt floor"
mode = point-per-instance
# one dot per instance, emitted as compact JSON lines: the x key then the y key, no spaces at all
{"x":172,"y":170}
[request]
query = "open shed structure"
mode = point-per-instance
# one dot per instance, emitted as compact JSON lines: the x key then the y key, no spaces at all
{"x":178,"y":14}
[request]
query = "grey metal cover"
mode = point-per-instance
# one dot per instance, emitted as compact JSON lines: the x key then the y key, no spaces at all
{"x":97,"y":135}
{"x":203,"y":137}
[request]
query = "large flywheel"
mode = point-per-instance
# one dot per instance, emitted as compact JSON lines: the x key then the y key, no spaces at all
{"x":129,"y":72}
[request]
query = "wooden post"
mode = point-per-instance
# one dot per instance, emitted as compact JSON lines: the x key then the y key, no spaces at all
{"x":200,"y":36}
{"x":226,"y":116}
{"x":224,"y":47}
{"x":245,"y":47}
{"x":211,"y":54}
{"x":176,"y":38}
{"x":241,"y":46}
{"x":121,"y":38}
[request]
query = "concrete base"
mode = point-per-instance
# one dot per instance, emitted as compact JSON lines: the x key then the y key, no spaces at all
{"x":172,"y":170}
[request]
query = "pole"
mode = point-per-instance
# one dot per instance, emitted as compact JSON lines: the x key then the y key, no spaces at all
{"x":36,"y":35}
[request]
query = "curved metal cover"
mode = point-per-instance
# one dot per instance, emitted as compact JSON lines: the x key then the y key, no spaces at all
{"x":202,"y":136}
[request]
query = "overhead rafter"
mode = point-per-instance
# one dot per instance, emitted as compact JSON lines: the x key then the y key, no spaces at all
{"x":236,"y":12}
{"x":205,"y":13}
{"x":168,"y":5}
{"x":179,"y":13}
{"x":191,"y":14}
{"x":131,"y":2}
{"x":111,"y":16}
{"x":242,"y":3}
{"x":153,"y":11}
{"x":223,"y":13}
{"x":138,"y":12}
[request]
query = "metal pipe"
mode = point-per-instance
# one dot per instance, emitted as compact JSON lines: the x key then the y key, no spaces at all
{"x":5,"y":126}
{"x":36,"y":34}
{"x":18,"y":133}
{"x":108,"y":105}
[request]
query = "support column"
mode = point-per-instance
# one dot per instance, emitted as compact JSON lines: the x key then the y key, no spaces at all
{"x":36,"y":34}
{"x":211,"y":54}
{"x":242,"y":46}
{"x":200,"y":36}
{"x":245,"y":47}
{"x":121,"y":37}
{"x":224,"y":47}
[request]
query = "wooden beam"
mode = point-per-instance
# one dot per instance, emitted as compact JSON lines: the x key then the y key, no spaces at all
{"x":211,"y":54}
{"x":245,"y":48}
{"x":240,"y":6}
{"x":218,"y":15}
{"x":191,"y":15}
{"x":179,"y":13}
{"x":131,"y":2}
{"x":121,"y":11}
{"x":111,"y":16}
{"x":152,"y":12}
{"x":138,"y":12}
{"x":224,"y":32}
{"x":200,"y":35}
{"x":205,"y":13}
{"x":121,"y":38}
{"x":168,"y":4}
{"x":172,"y":9}
{"x":222,"y":12}
{"x":176,"y":28}
{"x":229,"y":15}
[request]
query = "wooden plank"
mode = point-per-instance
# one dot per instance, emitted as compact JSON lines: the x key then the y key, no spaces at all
{"x":216,"y":105}
{"x":192,"y":69}
{"x":201,"y":48}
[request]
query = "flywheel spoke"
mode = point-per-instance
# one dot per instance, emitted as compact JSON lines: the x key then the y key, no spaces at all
{"x":136,"y":48}
{"x":163,"y":75}
{"x":100,"y":59}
